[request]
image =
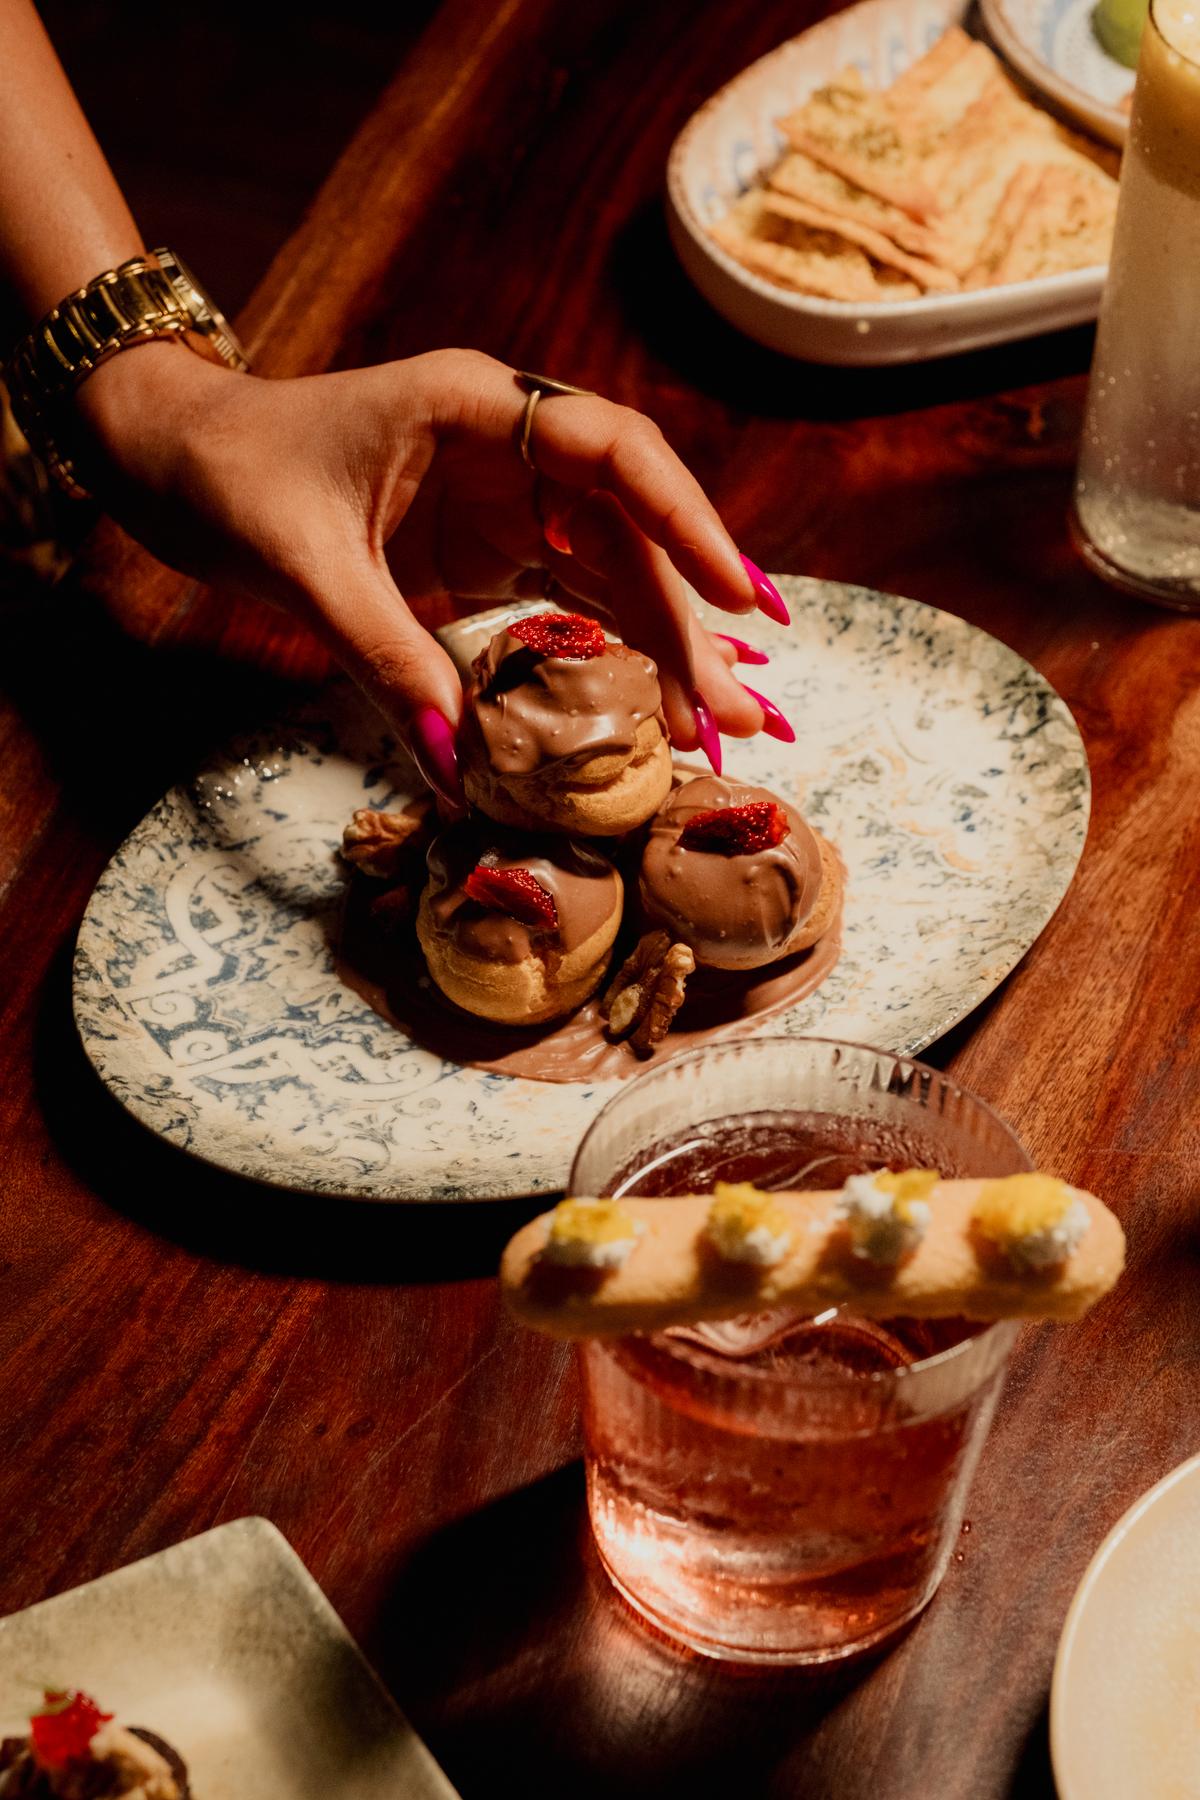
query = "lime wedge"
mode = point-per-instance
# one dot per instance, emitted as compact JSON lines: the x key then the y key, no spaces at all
{"x":1118,"y":25}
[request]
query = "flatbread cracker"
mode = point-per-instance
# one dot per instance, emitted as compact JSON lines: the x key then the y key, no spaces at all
{"x":801,"y":178}
{"x":1067,"y":224}
{"x":854,"y":132}
{"x":951,"y":177}
{"x":875,"y":243}
{"x":1000,"y":233}
{"x":809,"y":260}
{"x":943,"y":83}
{"x":977,"y":162}
{"x":880,"y":140}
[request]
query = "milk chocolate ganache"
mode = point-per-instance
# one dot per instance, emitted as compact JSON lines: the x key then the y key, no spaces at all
{"x":740,"y":900}
{"x":564,"y":741}
{"x":517,"y":929}
{"x":533,"y":709}
{"x":581,"y":882}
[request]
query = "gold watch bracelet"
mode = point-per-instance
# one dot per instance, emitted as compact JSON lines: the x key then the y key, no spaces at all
{"x":131,"y":304}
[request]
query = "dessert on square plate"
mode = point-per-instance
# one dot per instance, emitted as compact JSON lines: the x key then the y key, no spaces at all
{"x":74,"y":1751}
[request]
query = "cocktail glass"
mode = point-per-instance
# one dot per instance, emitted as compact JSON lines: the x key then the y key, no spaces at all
{"x":1136,"y":517}
{"x":777,"y":1488}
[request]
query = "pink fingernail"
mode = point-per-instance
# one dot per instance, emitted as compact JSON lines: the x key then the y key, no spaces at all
{"x":746,"y":653}
{"x":774,"y":723}
{"x":706,"y":731}
{"x":432,"y":742}
{"x":768,"y":596}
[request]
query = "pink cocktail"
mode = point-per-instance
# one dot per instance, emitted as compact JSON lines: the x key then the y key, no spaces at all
{"x":778,"y":1488}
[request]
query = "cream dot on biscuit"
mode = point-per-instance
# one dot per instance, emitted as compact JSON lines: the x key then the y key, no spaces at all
{"x":886,"y":1213}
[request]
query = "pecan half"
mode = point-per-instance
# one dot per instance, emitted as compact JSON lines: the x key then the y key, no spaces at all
{"x":381,"y":844}
{"x":648,"y":991}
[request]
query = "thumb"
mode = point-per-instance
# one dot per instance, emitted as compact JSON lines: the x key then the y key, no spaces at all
{"x":366,"y":622}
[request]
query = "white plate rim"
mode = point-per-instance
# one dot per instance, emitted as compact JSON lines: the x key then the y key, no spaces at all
{"x":1129,"y":1520}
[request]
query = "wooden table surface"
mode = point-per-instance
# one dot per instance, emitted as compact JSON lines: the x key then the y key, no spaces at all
{"x":179,"y":1348}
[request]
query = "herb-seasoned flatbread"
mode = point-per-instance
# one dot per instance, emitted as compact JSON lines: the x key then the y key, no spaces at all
{"x":807,"y":259}
{"x":951,"y":177}
{"x":974,"y":167}
{"x":942,"y":84}
{"x":800,"y":178}
{"x":853,"y":131}
{"x":875,"y":243}
{"x":880,"y":141}
{"x":1066,"y":224}
{"x":1000,"y":233}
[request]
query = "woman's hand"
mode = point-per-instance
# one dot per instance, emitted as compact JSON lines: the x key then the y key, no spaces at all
{"x":344,"y":497}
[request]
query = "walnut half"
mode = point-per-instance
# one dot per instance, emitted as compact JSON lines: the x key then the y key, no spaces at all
{"x":380,"y":843}
{"x":647,"y":991}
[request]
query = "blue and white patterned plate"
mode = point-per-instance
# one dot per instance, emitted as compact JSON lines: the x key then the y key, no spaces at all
{"x":1052,"y":44}
{"x":951,"y":777}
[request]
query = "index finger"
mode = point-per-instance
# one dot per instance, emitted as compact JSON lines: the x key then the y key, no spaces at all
{"x":591,"y":443}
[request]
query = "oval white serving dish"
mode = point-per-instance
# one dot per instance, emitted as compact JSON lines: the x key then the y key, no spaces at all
{"x":733,"y":136}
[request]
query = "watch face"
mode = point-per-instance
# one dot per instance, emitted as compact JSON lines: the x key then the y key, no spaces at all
{"x":207,"y":317}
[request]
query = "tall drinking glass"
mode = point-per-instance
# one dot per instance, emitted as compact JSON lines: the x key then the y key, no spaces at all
{"x":1136,"y":515}
{"x":778,"y":1488}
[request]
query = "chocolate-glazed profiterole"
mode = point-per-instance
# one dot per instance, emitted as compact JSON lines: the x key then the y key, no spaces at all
{"x":742,"y":891}
{"x":564,"y":730}
{"x":517,"y":929}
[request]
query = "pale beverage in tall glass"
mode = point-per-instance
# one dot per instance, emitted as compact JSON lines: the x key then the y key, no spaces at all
{"x":1137,"y":495}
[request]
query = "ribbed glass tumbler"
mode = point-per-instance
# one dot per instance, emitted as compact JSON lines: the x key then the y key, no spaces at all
{"x":776,"y":1488}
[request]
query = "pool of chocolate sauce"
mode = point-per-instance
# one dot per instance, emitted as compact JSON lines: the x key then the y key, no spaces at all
{"x":392,"y":978}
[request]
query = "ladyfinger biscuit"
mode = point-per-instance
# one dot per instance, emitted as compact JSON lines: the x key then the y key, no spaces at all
{"x":912,"y":1245}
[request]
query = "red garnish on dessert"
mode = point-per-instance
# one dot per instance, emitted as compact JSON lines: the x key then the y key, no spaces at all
{"x":568,"y":635}
{"x":516,"y":892}
{"x":62,"y":1733}
{"x":736,"y":830}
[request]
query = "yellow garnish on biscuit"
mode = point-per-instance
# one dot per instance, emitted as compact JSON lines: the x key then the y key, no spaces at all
{"x":1019,"y":1204}
{"x":595,"y":1234}
{"x":744,"y":1224}
{"x":905,"y":1186}
{"x":1037,"y":1219}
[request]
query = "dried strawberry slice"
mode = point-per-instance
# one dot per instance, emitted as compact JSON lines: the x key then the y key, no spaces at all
{"x":568,"y":635}
{"x":516,"y":892}
{"x":736,"y":830}
{"x":62,"y":1733}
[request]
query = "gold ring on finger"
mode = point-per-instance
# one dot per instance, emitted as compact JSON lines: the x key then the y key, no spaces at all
{"x":537,"y":386}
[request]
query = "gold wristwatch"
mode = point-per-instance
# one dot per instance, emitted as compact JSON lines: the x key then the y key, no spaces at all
{"x":149,"y":296}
